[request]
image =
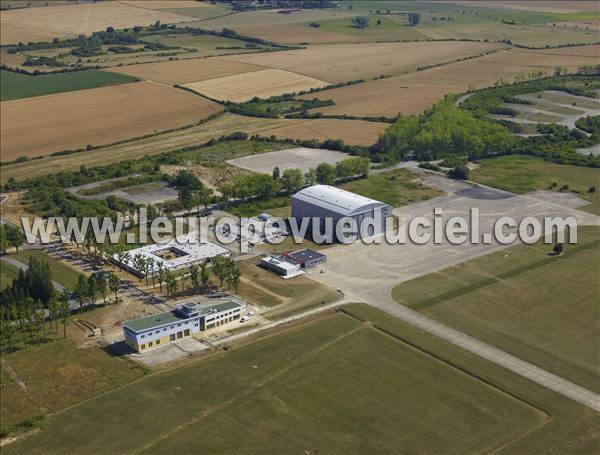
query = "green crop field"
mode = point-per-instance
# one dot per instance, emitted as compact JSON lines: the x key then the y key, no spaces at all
{"x":8,"y":273}
{"x":69,"y":375}
{"x":396,"y":188}
{"x":61,"y":273}
{"x":335,"y":385}
{"x":521,"y":174}
{"x":541,"y":308}
{"x":15,"y":86}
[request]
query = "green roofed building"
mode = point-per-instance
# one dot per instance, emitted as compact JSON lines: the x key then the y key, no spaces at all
{"x":187,"y":319}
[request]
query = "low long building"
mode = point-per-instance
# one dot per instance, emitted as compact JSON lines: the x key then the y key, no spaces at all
{"x":171,"y":255}
{"x":186,"y":320}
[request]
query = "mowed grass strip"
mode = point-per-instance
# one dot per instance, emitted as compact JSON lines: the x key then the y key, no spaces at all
{"x":14,"y":86}
{"x":61,"y":272}
{"x":522,"y":174}
{"x":541,"y":308}
{"x":333,"y":385}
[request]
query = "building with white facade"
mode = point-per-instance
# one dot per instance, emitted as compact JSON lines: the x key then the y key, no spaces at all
{"x":172,"y":255}
{"x":186,"y":320}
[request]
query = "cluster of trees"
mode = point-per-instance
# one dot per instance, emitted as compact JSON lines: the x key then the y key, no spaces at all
{"x":360,"y":21}
{"x":446,"y":130}
{"x":414,"y":19}
{"x":10,"y":236}
{"x":441,"y":131}
{"x":263,"y":186}
{"x":27,"y":305}
{"x":277,"y":106}
{"x":591,"y":124}
{"x":97,"y":285}
{"x":191,"y":191}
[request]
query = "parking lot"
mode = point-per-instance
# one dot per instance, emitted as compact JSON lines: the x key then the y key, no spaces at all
{"x":369,"y":272}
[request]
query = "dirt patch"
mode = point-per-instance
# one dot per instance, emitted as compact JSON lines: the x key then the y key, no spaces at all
{"x":211,"y":177}
{"x":414,"y":92}
{"x":119,"y":112}
{"x":188,"y":70}
{"x":343,"y":62}
{"x":264,"y":84}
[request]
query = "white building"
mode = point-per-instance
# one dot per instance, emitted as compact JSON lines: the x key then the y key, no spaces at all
{"x":281,"y":266}
{"x":172,"y":255}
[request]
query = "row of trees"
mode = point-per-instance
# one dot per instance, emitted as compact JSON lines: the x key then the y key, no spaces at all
{"x":262,"y":186}
{"x":30,"y":307}
{"x":97,"y":285}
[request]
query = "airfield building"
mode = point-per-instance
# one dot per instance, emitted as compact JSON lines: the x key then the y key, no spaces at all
{"x":320,"y":202}
{"x":184,"y":321}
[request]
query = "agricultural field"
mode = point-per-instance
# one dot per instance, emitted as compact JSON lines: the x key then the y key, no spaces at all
{"x":353,"y":132}
{"x":45,"y":24}
{"x":188,"y":70}
{"x":344,"y":62}
{"x":522,"y":174}
{"x":413,"y":93}
{"x":144,"y":107}
{"x":396,"y":188}
{"x":440,"y":20}
{"x":514,"y":299}
{"x":263,"y":84}
{"x":321,"y":365}
{"x":15,"y":86}
{"x":70,"y":375}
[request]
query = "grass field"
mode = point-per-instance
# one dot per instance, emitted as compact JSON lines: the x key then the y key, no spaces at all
{"x":263,"y":84}
{"x":354,"y":132}
{"x":143,"y":108}
{"x":8,"y":273}
{"x":286,"y":296}
{"x":413,"y":93}
{"x":332,"y":386}
{"x":69,"y":376}
{"x":14,"y":85}
{"x":541,"y":308}
{"x":396,"y":188}
{"x":61,"y":273}
{"x":344,"y":62}
{"x":521,"y":174}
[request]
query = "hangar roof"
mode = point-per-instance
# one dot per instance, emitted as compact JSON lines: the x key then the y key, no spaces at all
{"x":336,"y":199}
